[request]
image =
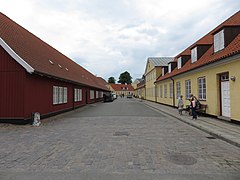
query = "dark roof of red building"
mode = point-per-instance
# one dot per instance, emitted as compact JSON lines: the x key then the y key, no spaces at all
{"x":122,"y":87}
{"x":209,"y":56}
{"x":36,"y":56}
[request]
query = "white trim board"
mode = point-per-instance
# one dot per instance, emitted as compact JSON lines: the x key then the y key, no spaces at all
{"x":16,"y":57}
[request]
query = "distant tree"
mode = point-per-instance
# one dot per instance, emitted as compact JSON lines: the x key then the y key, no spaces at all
{"x":125,"y":78}
{"x":111,"y":80}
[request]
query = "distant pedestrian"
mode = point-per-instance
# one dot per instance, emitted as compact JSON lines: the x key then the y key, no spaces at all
{"x":193,"y":108}
{"x":180,"y":105}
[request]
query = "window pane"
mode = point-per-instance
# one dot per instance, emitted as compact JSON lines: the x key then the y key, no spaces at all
{"x":194,"y":54}
{"x":60,"y":95}
{"x":218,"y":41}
{"x":179,"y":63}
{"x":65,"y":95}
{"x":80,"y":94}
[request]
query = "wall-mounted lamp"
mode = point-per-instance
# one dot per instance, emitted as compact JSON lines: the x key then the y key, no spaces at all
{"x":233,"y":78}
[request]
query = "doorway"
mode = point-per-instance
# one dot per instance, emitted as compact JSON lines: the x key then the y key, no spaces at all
{"x":225,"y":95}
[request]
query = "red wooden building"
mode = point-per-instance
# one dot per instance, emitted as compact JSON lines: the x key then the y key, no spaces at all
{"x":35,"y":77}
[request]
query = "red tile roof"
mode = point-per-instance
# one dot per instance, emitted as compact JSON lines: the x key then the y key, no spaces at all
{"x":122,"y":87}
{"x":39,"y":55}
{"x":209,"y":56}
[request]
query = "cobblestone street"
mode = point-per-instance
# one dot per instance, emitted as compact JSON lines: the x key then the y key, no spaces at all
{"x":120,"y":139}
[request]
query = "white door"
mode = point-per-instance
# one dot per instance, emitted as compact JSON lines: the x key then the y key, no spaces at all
{"x":225,"y":94}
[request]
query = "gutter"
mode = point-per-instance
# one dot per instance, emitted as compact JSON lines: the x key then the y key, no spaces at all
{"x":226,"y":59}
{"x":65,"y":80}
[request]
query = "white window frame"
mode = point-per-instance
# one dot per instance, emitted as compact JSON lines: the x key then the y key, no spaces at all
{"x":188,"y":88}
{"x":202,"y":89}
{"x":178,"y":87}
{"x":165,"y":90}
{"x":59,"y":95}
{"x":77,"y":95}
{"x":179,"y":62}
{"x":194,"y":54}
{"x":218,"y":41}
{"x":171,"y":90}
{"x":163,"y":72}
{"x":64,"y":95}
{"x":55,"y":94}
{"x":97,"y":95}
{"x":169,"y":68}
{"x":92,"y":94}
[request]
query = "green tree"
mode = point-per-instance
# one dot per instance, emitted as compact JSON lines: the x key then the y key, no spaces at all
{"x":111,"y":80}
{"x":125,"y":78}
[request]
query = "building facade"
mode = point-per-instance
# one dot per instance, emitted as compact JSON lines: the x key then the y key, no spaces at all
{"x":208,"y":69}
{"x":35,"y":77}
{"x":141,"y":90}
{"x":120,"y":89}
{"x":134,"y":85}
{"x":152,"y":71}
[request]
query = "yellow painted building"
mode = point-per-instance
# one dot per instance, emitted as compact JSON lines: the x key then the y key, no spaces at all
{"x":152,"y":71}
{"x":140,"y":90}
{"x":134,"y":85}
{"x":120,"y":89}
{"x":210,"y":70}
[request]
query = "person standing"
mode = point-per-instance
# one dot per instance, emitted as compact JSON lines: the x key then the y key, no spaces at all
{"x":193,"y":108}
{"x":180,"y":105}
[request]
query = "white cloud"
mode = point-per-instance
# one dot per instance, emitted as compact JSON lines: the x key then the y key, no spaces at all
{"x":109,"y":37}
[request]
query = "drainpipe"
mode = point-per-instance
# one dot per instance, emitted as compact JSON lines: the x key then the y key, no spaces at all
{"x":155,"y":86}
{"x":173,"y":92}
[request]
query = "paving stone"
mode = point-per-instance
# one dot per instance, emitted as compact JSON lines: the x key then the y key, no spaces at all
{"x":82,"y":142}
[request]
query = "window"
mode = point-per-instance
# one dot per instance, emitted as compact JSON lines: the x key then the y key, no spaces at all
{"x":64,"y":95}
{"x":202,"y":88}
{"x":55,"y":95}
{"x":188,"y":89}
{"x":179,"y":63}
{"x":163,"y":72}
{"x":178,"y":84}
{"x":91,"y":94}
{"x":165,"y":90}
{"x":171,"y":90}
{"x":218,"y":41}
{"x":97,"y":94}
{"x":59,"y":95}
{"x":77,"y":95}
{"x":161,"y":91}
{"x":194,"y":54}
{"x":169,"y":68}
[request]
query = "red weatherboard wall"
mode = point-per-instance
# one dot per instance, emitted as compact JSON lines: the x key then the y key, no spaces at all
{"x":22,"y":93}
{"x":12,"y":78}
{"x":83,"y":102}
{"x":39,"y":95}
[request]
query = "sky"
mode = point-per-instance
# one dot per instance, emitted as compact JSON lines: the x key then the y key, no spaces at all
{"x":108,"y":37}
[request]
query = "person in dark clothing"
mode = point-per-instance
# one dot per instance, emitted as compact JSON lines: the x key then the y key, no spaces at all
{"x":193,"y":108}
